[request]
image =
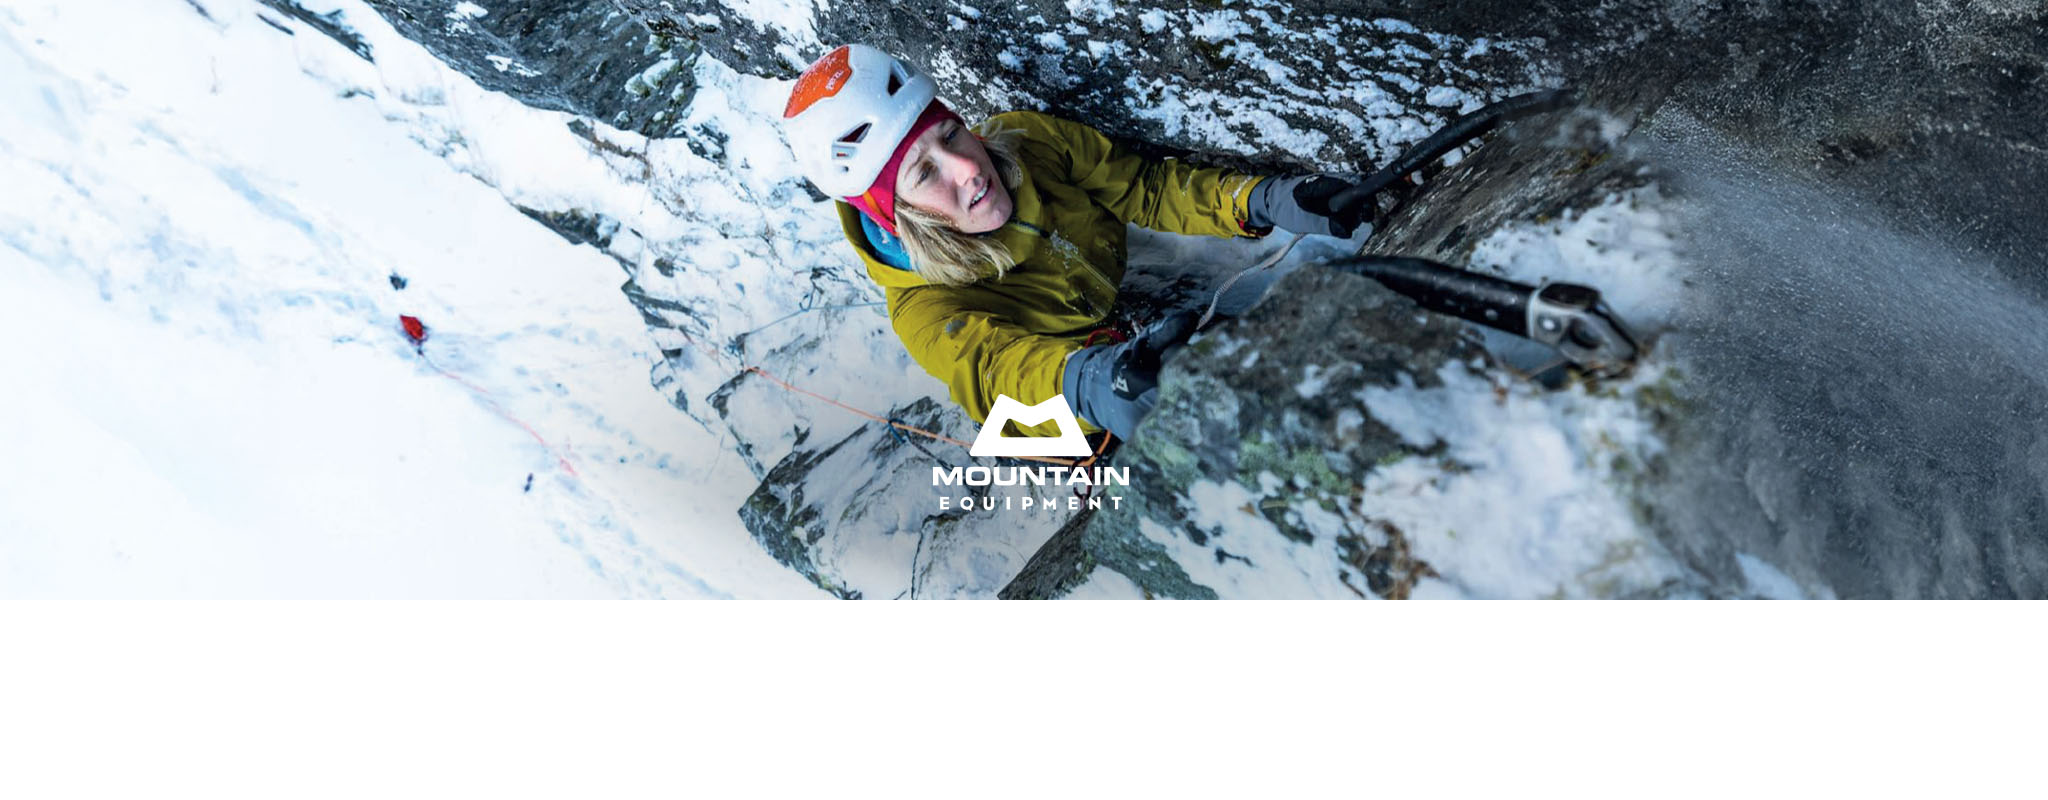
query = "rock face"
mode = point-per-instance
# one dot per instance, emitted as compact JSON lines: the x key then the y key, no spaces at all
{"x":1927,"y":108}
{"x":1236,"y":420}
{"x":840,"y":515}
{"x":1854,"y":172}
{"x":1928,"y":111}
{"x":1329,"y":86}
{"x":588,"y":59}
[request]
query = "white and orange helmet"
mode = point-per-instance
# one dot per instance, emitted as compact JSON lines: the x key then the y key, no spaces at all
{"x":848,"y":112}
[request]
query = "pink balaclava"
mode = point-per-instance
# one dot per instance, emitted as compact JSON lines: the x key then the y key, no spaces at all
{"x":879,"y":203}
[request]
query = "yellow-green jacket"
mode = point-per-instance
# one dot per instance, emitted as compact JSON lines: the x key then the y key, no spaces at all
{"x":1011,"y":335}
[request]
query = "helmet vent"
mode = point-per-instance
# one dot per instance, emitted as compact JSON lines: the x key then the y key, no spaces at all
{"x":895,"y":80}
{"x":857,"y":134}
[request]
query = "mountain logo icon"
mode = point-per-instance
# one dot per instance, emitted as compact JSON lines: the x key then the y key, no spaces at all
{"x":992,"y":442}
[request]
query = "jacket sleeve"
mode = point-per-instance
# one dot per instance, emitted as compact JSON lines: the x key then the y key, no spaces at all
{"x":1168,"y":195}
{"x":979,"y":354}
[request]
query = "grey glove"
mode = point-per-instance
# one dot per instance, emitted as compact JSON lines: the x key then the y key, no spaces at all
{"x":1115,"y":385}
{"x":1302,"y":204}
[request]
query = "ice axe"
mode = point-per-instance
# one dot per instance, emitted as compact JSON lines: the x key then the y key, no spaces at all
{"x":1460,"y":132}
{"x":1566,"y":316}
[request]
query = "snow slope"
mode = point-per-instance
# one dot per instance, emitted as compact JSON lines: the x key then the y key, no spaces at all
{"x":209,"y":392}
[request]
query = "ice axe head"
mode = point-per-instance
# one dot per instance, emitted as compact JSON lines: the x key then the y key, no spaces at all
{"x":1573,"y":319}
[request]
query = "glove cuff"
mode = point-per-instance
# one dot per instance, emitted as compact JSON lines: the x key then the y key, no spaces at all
{"x":1083,"y":365}
{"x":1258,"y":207}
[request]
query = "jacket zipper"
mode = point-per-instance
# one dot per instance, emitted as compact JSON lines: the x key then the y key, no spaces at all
{"x":1086,"y":265}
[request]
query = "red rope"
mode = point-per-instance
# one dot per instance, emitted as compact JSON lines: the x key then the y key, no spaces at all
{"x":1113,"y":335}
{"x":491,"y":402}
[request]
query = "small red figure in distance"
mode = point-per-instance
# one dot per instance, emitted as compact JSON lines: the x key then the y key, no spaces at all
{"x":414,"y":330}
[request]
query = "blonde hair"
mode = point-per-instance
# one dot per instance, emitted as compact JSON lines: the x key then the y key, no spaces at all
{"x":941,"y":253}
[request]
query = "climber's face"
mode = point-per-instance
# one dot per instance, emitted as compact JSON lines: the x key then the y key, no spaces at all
{"x":947,"y":172}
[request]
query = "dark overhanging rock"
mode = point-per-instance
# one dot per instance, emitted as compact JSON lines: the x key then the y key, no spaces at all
{"x":1060,"y":565}
{"x":1931,"y":112}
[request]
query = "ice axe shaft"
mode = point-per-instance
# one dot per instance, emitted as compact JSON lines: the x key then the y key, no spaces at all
{"x":1461,"y":131}
{"x":1566,"y":316}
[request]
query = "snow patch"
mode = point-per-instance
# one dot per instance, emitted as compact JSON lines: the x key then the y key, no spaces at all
{"x":1624,"y":246}
{"x":1243,"y":555}
{"x":1216,"y":26}
{"x":796,"y":19}
{"x":1152,"y":21}
{"x":1767,"y":581}
{"x":1091,"y":10}
{"x":1313,"y":379}
{"x":1445,"y":96}
{"x":505,"y":64}
{"x":1526,"y":499}
{"x":1106,"y":584}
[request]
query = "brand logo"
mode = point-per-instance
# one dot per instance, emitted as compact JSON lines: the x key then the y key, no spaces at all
{"x":823,"y":79}
{"x":992,"y":442}
{"x":1070,"y":443}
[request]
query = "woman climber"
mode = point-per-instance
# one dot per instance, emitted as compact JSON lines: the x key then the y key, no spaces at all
{"x":1000,"y":248}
